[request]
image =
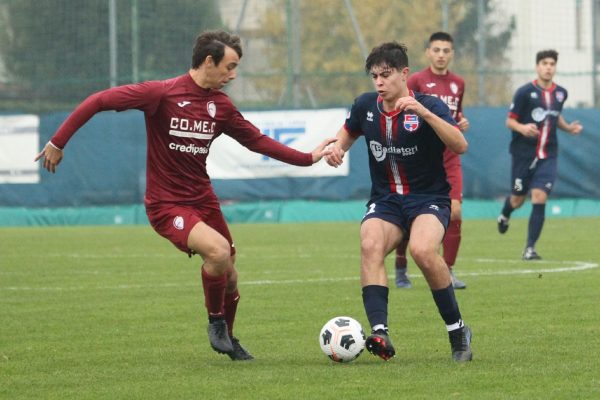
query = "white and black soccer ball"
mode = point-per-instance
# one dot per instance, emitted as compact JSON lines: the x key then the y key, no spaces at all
{"x":342,"y":339}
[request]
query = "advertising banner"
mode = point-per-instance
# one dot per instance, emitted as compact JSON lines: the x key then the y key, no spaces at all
{"x":302,"y":130}
{"x":19,"y":144}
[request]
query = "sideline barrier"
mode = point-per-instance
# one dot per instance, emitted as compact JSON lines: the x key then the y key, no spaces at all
{"x":271,"y":212}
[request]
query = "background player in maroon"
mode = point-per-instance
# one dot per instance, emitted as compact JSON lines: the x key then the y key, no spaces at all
{"x":437,"y":80}
{"x":183,"y":116}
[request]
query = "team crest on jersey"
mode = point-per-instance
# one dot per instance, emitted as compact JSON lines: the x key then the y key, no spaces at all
{"x":178,"y":222}
{"x":454,"y":87}
{"x":411,"y":122}
{"x":211,"y":108}
{"x":369,"y":116}
{"x":560,"y":96}
{"x":534,"y":95}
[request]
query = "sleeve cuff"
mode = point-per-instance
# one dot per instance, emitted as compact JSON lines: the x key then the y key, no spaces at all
{"x":53,"y":145}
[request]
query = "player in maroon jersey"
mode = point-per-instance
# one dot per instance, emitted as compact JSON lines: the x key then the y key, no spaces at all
{"x":183,"y":116}
{"x":437,"y":80}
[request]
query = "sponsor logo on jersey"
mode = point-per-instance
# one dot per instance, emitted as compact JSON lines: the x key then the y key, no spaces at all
{"x":190,"y":148}
{"x":560,"y":96}
{"x":189,"y":128}
{"x":369,"y":116}
{"x":411,"y":122}
{"x":430,"y":84}
{"x":380,"y":152}
{"x":534,"y":95}
{"x":454,"y":87}
{"x":178,"y":222}
{"x":184,"y":103}
{"x":538,"y":114}
{"x":211,"y":107}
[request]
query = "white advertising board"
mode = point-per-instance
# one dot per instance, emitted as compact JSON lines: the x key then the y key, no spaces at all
{"x":19,"y":144}
{"x":300,"y":129}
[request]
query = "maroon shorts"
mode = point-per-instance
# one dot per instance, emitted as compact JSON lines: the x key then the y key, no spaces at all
{"x":175,"y":221}
{"x":454,"y":174}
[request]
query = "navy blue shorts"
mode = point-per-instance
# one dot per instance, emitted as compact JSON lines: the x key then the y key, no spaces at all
{"x":401,"y":210}
{"x":536,"y":174}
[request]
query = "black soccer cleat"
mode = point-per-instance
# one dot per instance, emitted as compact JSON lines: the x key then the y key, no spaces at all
{"x":239,"y":353}
{"x":460,"y":342}
{"x":218,"y":336}
{"x":530,"y":254}
{"x":502,"y":224}
{"x":379,"y":344}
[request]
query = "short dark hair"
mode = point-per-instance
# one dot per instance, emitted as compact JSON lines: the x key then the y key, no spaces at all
{"x":212,"y":43}
{"x":546,"y":54}
{"x":443,"y":36}
{"x":390,"y":54}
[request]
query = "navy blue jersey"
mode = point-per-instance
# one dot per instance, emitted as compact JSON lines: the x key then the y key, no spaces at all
{"x":405,"y":153}
{"x":533,"y":104}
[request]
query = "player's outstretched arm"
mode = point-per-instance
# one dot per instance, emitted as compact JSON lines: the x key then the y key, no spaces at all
{"x":51,"y":155}
{"x":322,"y":149}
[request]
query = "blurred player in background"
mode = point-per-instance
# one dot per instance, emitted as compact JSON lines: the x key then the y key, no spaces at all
{"x":406,"y":134}
{"x":534,"y":115}
{"x":437,"y":80}
{"x":184,"y":115}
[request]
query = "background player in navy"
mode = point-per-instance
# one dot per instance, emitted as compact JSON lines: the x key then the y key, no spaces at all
{"x":437,"y":80}
{"x":533,"y":118}
{"x":183,"y":116}
{"x":406,"y":134}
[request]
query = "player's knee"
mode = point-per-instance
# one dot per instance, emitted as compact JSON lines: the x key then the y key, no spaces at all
{"x":423,"y":255}
{"x":516,"y":201}
{"x":218,"y":255}
{"x":371,"y":248}
{"x":455,"y":215}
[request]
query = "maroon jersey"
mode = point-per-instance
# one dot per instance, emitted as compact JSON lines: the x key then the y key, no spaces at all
{"x":182,"y":120}
{"x":449,"y":88}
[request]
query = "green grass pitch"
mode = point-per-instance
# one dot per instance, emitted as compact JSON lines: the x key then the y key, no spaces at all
{"x":117,"y":313}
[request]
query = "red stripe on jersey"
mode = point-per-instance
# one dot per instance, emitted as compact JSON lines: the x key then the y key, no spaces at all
{"x":396,"y":173}
{"x":544,"y":130}
{"x":399,"y":165}
{"x":384,"y":143}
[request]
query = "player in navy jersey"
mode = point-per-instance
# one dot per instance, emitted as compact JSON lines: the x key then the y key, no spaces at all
{"x":184,"y":115}
{"x":437,"y":80}
{"x":533,"y":118}
{"x":406,"y":134}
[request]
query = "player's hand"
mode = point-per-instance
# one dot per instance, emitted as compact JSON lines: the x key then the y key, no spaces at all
{"x":335,"y":158}
{"x":529,"y":130}
{"x":323,"y":149}
{"x":575,"y":128}
{"x":409,"y":103}
{"x":52,"y":156}
{"x":463,"y":123}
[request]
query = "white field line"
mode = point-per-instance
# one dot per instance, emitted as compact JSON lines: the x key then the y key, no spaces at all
{"x":569,"y":266}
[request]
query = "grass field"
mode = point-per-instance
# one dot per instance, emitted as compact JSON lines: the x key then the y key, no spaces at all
{"x":117,"y":313}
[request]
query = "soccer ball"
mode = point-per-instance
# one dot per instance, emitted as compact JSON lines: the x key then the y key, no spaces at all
{"x":342,"y":339}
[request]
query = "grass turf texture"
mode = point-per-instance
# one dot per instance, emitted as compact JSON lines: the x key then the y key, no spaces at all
{"x":117,"y":312}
